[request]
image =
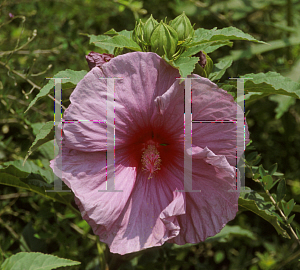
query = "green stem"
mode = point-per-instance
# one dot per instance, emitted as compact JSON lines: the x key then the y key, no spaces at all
{"x":276,"y":206}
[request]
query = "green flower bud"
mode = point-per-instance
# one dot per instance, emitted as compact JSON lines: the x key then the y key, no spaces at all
{"x":148,"y":28}
{"x":183,"y":27}
{"x":204,"y":66}
{"x":202,"y":58}
{"x":164,"y":40}
{"x":138,"y":34}
{"x":209,"y":65}
{"x":200,"y":71}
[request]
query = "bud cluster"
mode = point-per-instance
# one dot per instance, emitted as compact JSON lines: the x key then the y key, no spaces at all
{"x":162,"y":38}
{"x":169,"y":40}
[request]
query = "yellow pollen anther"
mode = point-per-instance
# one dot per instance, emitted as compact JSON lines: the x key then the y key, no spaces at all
{"x":151,"y":160}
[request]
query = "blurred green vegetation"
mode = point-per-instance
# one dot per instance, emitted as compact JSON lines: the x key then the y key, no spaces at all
{"x":30,"y":222}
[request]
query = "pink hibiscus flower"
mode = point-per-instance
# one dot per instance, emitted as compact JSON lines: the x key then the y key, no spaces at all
{"x":149,"y":155}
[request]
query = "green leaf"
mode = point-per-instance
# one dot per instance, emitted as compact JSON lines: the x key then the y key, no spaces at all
{"x":194,"y":50}
{"x":262,"y":171}
{"x":231,"y":231}
{"x":291,"y":218}
{"x":118,"y":41}
{"x":219,"y":70}
{"x":212,"y":46}
{"x":17,"y":169}
{"x":255,"y":203}
{"x":256,"y":176}
{"x":283,"y":104}
{"x":46,"y":134}
{"x":75,"y":77}
{"x":94,"y":38}
{"x":111,"y":32}
{"x":24,"y":169}
{"x":264,"y":84}
{"x":206,"y":47}
{"x":37,"y":180}
{"x":288,"y":207}
{"x":257,"y":160}
{"x":267,"y":181}
{"x":252,"y":156}
{"x":185,"y":65}
{"x":48,"y":151}
{"x":228,"y":87}
{"x":14,"y":181}
{"x":267,"y":172}
{"x":274,"y":183}
{"x":225,"y":235}
{"x":126,"y":33}
{"x":281,"y":220}
{"x":229,"y":33}
{"x":281,"y":190}
{"x":296,"y":208}
{"x":35,"y":261}
{"x":273,"y":169}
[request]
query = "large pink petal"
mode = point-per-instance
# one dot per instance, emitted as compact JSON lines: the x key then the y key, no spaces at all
{"x":209,"y":104}
{"x":142,"y":216}
{"x":169,"y":112}
{"x":143,"y":77}
{"x":85,"y":174}
{"x":150,"y":216}
{"x":88,"y":102}
{"x":208,"y":211}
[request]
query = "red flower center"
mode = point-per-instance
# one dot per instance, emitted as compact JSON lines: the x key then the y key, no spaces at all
{"x":151,"y":160}
{"x":152,"y":150}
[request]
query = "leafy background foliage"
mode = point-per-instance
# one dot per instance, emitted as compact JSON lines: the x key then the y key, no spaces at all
{"x":38,"y":39}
